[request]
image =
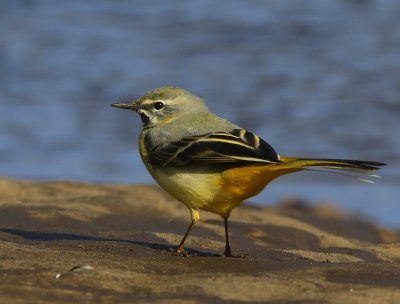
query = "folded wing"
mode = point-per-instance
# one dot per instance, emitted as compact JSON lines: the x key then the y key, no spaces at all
{"x":238,"y":146}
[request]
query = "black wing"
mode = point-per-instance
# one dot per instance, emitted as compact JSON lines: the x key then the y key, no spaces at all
{"x":238,"y":146}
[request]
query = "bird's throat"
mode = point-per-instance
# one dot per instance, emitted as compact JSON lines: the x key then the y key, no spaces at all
{"x":145,"y":119}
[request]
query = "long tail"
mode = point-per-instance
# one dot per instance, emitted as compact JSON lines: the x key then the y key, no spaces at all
{"x":296,"y":164}
{"x":345,"y":164}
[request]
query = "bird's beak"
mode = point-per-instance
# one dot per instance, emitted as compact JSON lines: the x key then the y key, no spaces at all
{"x":131,"y":106}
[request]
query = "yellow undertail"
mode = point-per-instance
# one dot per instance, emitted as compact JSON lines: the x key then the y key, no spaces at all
{"x":241,"y":183}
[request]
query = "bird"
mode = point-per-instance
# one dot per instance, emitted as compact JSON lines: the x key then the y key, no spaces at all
{"x":207,"y":162}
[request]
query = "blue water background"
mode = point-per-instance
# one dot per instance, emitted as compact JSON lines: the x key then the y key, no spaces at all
{"x":314,"y":78}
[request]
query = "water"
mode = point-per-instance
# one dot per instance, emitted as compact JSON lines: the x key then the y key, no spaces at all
{"x":313,"y":78}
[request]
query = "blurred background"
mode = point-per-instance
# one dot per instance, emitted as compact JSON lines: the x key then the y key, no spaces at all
{"x":313,"y":78}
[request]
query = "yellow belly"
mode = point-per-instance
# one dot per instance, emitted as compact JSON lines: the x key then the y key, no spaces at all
{"x":215,"y":192}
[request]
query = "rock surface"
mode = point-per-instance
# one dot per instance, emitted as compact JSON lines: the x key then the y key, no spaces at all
{"x":74,"y":242}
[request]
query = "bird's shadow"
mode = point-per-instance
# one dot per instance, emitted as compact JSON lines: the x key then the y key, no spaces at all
{"x":55,"y":236}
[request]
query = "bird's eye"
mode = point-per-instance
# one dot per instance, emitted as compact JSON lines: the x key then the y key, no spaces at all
{"x":158,"y":105}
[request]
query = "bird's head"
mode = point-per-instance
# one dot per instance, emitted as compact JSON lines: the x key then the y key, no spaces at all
{"x":163,"y":105}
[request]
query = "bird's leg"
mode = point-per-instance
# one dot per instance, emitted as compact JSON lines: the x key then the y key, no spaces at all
{"x":180,"y":250}
{"x":195,"y":217}
{"x":227,"y":251}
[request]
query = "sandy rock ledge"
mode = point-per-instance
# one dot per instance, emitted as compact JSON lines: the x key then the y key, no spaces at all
{"x":74,"y":242}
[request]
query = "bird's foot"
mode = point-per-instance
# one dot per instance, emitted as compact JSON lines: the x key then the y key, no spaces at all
{"x":181,"y":252}
{"x":228,"y":254}
{"x":178,"y":251}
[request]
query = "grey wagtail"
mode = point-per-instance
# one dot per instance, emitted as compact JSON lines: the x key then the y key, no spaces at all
{"x":207,"y":162}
